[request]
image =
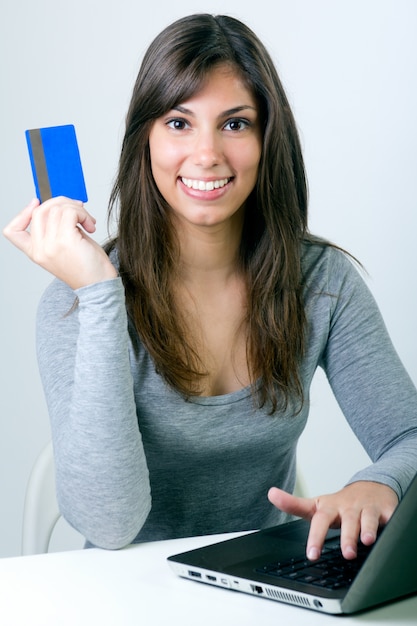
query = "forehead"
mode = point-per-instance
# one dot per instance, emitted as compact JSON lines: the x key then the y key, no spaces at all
{"x":221,"y":83}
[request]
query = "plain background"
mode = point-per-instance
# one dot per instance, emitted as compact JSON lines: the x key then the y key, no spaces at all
{"x":349,"y":68}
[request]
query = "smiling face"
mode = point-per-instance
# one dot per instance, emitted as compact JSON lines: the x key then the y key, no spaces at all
{"x":205,"y":152}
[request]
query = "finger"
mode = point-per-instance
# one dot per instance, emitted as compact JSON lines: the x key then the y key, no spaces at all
{"x":322,"y":520}
{"x":22,"y":219}
{"x":369,"y":526}
{"x":364,"y":516}
{"x":84,"y":218}
{"x":56,"y":221}
{"x":71,"y":220}
{"x":16,"y":230}
{"x":89,"y":223}
{"x":301,"y":507}
{"x":349,"y":535}
{"x":44,"y":231}
{"x":57,"y":224}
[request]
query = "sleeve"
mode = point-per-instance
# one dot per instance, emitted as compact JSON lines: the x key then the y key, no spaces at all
{"x":368,"y":379}
{"x":101,"y":472}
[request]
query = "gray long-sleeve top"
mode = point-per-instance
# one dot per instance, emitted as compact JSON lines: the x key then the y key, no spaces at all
{"x":137,"y":462}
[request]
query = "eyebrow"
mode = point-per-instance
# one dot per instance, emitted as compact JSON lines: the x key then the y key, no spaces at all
{"x":232,"y":111}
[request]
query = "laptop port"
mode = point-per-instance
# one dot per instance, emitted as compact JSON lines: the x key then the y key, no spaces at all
{"x":257,"y":589}
{"x":211,"y":578}
{"x":194,"y":574}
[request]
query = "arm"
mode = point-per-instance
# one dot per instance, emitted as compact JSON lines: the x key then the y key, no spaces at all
{"x":102,"y":477}
{"x":369,"y":381}
{"x":379,"y":401}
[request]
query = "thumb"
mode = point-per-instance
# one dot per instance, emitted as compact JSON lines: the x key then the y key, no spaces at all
{"x":16,"y":231}
{"x":300,"y":507}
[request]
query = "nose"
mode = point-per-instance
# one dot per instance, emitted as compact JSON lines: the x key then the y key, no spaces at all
{"x":208,"y":149}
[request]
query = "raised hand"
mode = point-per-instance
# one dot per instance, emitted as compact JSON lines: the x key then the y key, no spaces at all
{"x":55,"y":235}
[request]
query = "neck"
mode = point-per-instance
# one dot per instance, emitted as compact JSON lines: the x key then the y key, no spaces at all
{"x":209,"y":255}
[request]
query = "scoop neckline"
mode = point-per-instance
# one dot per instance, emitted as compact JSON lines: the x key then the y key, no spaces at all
{"x":226,"y":398}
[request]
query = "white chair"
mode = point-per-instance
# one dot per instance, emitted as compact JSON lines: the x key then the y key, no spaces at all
{"x":300,"y":488}
{"x":41,"y":512}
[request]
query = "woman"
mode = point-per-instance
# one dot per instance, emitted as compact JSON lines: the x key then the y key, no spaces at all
{"x":177,"y":362}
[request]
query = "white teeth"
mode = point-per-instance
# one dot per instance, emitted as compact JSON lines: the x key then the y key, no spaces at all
{"x":203,"y":185}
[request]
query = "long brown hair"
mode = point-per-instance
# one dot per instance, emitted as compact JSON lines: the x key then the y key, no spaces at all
{"x":173,"y":69}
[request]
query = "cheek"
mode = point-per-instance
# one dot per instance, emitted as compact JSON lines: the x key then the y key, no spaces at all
{"x":164,"y":171}
{"x":158,"y":152}
{"x":249,"y":167}
{"x":249,"y":158}
{"x":164,"y":157}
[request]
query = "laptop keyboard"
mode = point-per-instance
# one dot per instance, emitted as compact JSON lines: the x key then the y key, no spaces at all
{"x":331,"y":571}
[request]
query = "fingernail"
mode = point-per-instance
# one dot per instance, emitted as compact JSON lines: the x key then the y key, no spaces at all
{"x":313,"y":554}
{"x":350,"y":552}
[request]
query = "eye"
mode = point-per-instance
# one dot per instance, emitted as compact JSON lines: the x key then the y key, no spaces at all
{"x":177,"y":123}
{"x":237,"y":124}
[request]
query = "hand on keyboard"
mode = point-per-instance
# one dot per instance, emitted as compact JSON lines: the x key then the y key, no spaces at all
{"x":359,"y":509}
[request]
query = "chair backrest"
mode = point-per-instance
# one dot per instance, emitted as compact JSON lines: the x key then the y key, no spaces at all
{"x":300,"y":488}
{"x":40,"y":512}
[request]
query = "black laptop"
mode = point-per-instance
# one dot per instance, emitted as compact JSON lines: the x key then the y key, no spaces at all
{"x":271,"y":564}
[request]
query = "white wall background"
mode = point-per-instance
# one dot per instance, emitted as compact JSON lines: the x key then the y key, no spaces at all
{"x":349,"y":67}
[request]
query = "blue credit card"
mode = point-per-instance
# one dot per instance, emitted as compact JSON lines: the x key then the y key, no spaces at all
{"x":56,"y":163}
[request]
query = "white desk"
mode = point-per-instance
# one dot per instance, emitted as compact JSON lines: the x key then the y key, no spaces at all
{"x":136,"y":587}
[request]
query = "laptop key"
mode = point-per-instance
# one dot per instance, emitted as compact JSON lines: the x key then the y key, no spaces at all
{"x":306,"y":578}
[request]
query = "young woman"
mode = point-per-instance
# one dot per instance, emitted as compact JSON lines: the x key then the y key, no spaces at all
{"x":177,"y":361}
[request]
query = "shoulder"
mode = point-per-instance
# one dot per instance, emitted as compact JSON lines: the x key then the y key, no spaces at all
{"x":333,"y":280}
{"x":326,"y":264}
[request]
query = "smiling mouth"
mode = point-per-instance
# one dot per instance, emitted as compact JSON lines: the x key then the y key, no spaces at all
{"x":205,"y":185}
